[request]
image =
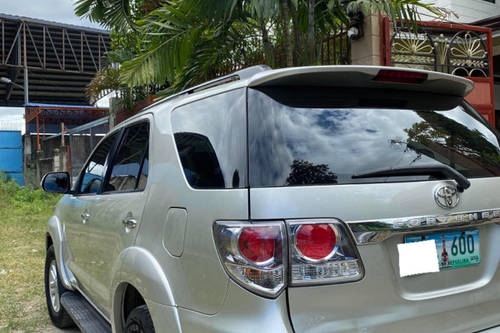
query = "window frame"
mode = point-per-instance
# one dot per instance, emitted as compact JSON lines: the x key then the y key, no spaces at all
{"x":110,"y":157}
{"x":111,"y":152}
{"x":244,"y":93}
{"x":109,"y":165}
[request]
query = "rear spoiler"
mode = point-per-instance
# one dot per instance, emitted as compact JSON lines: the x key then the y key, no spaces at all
{"x":365,"y":77}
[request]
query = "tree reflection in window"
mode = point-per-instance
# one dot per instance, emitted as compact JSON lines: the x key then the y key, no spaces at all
{"x":306,"y":173}
{"x":440,"y":137}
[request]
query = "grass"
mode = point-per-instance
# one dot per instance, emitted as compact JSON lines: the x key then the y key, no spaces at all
{"x":24,"y":213}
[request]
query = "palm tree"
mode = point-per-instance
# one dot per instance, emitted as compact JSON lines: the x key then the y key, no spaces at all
{"x":119,"y":15}
{"x":188,"y":41}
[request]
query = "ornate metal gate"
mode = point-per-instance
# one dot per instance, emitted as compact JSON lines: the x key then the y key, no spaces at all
{"x":463,"y":54}
{"x":455,"y":49}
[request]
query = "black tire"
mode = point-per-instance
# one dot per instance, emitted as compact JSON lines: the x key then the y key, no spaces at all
{"x":58,"y":314}
{"x":139,"y":321}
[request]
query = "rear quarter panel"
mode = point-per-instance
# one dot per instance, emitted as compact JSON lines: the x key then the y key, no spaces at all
{"x":198,"y":279}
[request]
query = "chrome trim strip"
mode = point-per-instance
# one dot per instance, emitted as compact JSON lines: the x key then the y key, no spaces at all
{"x":376,"y":231}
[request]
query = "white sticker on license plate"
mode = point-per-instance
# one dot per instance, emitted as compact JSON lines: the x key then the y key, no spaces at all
{"x":454,"y":248}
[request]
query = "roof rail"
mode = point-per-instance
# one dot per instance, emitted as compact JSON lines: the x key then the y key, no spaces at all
{"x":238,"y":75}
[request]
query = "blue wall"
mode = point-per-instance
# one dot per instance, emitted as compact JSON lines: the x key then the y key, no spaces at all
{"x":11,"y":155}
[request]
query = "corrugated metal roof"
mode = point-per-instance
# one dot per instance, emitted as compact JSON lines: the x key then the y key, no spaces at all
{"x":52,"y":23}
{"x":61,"y":58}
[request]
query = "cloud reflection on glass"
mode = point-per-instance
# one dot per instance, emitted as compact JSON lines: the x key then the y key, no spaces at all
{"x":350,"y":141}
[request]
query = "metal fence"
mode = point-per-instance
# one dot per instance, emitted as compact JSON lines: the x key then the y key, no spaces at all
{"x":70,"y":149}
{"x":336,"y":48}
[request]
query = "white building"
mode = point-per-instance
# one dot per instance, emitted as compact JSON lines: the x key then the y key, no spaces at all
{"x":468,"y":11}
{"x":12,"y":119}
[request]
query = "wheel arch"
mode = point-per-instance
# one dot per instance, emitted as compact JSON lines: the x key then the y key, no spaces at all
{"x":54,"y":237}
{"x":139,"y":276}
{"x":127,"y":297}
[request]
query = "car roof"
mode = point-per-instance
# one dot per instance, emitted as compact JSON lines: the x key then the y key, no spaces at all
{"x":315,"y":76}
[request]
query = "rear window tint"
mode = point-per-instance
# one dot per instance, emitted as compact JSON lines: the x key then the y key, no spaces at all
{"x":307,"y":139}
{"x":210,"y":135}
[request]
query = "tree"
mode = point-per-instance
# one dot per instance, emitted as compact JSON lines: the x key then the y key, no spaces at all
{"x":119,"y":15}
{"x":306,"y":173}
{"x":190,"y":41}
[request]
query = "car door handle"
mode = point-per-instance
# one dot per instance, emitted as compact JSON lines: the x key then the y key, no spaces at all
{"x":85,"y":216}
{"x":129,"y":222}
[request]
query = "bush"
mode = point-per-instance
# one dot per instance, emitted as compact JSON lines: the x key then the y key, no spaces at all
{"x":24,"y":197}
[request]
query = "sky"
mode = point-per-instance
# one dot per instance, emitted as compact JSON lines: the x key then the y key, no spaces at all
{"x":52,"y":10}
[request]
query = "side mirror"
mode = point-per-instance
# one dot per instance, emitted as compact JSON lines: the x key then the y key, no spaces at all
{"x":56,"y":182}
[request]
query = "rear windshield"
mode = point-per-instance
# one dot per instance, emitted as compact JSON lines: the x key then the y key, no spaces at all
{"x":300,"y":136}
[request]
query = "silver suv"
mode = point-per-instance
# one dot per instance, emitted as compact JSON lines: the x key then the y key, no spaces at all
{"x":313,"y":199}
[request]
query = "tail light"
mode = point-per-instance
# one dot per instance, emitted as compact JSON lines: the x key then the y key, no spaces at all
{"x":315,"y":242}
{"x":253,"y":254}
{"x":322,"y":251}
{"x":260,"y":255}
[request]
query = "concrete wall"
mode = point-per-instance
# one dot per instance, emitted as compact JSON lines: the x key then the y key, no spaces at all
{"x":467,"y":10}
{"x":367,"y":50}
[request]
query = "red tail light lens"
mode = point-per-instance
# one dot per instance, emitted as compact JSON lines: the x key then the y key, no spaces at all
{"x":257,"y":244}
{"x":253,"y":254}
{"x":316,"y":241}
{"x":387,"y":75}
{"x":321,"y":252}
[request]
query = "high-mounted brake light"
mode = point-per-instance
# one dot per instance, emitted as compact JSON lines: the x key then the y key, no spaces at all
{"x":397,"y":76}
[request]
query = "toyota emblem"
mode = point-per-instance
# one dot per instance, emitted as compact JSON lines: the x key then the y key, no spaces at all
{"x":447,"y":196}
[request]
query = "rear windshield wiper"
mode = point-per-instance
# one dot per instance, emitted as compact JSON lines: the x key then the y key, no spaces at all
{"x":420,"y":170}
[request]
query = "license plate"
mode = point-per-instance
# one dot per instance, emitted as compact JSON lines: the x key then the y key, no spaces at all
{"x":454,"y":248}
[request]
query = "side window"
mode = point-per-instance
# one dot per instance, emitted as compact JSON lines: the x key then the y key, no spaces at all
{"x":210,"y":136}
{"x":128,"y":171}
{"x":94,"y":172}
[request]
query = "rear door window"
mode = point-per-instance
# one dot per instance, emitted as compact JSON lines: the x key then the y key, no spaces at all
{"x":127,"y":171}
{"x":210,"y":135}
{"x":330,"y":137}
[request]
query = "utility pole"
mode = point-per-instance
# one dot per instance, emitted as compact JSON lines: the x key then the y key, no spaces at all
{"x":26,"y":91}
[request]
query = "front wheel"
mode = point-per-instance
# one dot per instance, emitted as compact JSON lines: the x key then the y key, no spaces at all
{"x":53,"y":291}
{"x":139,"y":321}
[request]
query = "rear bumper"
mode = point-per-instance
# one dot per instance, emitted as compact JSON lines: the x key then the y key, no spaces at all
{"x":242,"y":312}
{"x":245,"y":312}
{"x":467,"y":320}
